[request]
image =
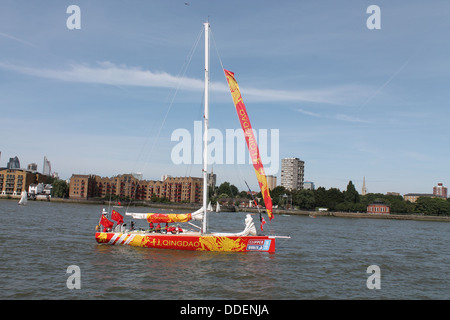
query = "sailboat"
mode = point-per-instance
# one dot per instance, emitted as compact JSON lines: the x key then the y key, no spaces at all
{"x":23,"y":199}
{"x":210,"y":208}
{"x":217,"y":207}
{"x":247,"y":240}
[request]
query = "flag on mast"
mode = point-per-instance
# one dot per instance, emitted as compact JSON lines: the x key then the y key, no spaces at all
{"x":250,"y":139}
{"x":106,"y":223}
{"x":117,"y":217}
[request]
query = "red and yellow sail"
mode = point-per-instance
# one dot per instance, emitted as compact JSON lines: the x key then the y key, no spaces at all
{"x":251,"y":141}
{"x":168,"y":218}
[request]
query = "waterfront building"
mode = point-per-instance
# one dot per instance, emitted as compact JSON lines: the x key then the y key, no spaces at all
{"x":81,"y":186}
{"x":36,"y":188}
{"x":174,"y":189}
{"x":14,"y":181}
{"x":440,"y":191}
{"x":292,"y":173}
{"x":271,"y":182}
{"x":378,"y":207}
{"x":412,"y":197}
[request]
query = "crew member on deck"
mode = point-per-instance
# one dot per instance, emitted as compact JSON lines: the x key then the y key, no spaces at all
{"x":158,"y":228}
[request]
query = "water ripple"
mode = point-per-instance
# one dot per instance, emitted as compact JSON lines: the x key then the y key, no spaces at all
{"x":326,"y":258}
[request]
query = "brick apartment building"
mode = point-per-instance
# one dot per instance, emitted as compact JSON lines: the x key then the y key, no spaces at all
{"x":440,"y":191}
{"x":175,"y":189}
{"x":14,"y":181}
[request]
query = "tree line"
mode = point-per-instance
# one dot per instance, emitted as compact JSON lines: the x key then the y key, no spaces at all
{"x":333,"y":199}
{"x":351,"y":201}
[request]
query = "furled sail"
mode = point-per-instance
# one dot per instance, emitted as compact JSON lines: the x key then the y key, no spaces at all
{"x":251,"y":141}
{"x":167,"y":217}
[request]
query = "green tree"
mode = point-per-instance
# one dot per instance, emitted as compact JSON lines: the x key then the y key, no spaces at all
{"x":60,"y":189}
{"x":433,"y":206}
{"x":276,"y":193}
{"x":321,"y":197}
{"x":155,"y":198}
{"x":243,"y":194}
{"x":227,"y":188}
{"x":334,"y":197}
{"x":351,"y":195}
{"x":304,"y":199}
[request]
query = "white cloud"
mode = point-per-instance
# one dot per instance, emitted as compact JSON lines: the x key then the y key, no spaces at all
{"x":344,"y":117}
{"x":16,"y":39}
{"x":340,"y":117}
{"x":121,"y":75}
{"x":309,"y":113}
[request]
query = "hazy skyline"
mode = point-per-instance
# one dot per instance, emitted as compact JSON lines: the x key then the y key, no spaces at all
{"x":349,"y":101}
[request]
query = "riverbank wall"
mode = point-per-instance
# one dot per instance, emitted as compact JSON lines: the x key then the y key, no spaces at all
{"x":190,"y":207}
{"x":314,"y":214}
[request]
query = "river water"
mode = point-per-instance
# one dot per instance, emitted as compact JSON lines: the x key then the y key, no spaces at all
{"x":326,"y":258}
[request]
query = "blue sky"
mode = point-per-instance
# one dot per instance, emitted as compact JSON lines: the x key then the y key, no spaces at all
{"x":349,"y":101}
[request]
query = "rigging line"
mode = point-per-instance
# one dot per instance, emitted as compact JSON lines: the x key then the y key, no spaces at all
{"x":221,"y":64}
{"x":173,"y":92}
{"x":180,"y":76}
{"x":217,"y":51}
{"x":240,"y":174}
{"x":198,"y":117}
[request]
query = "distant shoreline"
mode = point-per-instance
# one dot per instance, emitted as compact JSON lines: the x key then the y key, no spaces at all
{"x":193,"y":206}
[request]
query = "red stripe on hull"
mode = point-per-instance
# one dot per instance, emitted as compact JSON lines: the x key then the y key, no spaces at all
{"x":189,"y":242}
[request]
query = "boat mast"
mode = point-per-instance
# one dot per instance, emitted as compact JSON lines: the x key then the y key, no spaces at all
{"x":205,"y":136}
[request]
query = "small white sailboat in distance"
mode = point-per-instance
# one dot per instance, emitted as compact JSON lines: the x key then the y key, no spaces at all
{"x":210,"y":208}
{"x":23,"y":200}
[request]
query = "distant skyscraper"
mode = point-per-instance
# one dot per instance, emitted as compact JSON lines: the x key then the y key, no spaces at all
{"x":32,"y":167}
{"x":440,"y":191}
{"x":137,"y":175}
{"x":271,"y":182}
{"x":292,"y":173}
{"x":46,"y":168}
{"x":364,"y":190}
{"x":13,"y":163}
{"x":212,"y":177}
{"x":309,"y":185}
